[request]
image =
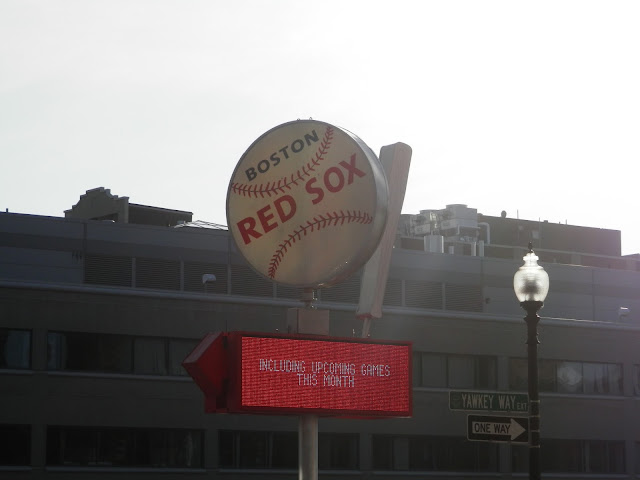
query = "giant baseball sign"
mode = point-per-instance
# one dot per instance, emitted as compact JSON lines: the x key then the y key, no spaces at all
{"x":306,"y":204}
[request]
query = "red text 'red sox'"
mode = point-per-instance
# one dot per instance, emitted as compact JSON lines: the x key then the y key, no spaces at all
{"x":284,"y":208}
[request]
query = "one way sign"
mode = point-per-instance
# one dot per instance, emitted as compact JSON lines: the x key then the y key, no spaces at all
{"x":497,"y":429}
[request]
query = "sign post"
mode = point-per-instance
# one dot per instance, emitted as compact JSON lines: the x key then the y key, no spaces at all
{"x":301,"y":320}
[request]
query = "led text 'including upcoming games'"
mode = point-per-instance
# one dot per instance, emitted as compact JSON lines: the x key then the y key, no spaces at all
{"x":333,"y":376}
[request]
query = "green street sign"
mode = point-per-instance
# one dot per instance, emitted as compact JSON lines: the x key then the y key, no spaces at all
{"x":489,"y":401}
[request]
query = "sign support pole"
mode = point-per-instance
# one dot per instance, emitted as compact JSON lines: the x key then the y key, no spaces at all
{"x":308,"y":447}
{"x":307,"y":322}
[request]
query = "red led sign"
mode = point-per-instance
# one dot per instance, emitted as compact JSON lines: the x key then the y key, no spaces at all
{"x":327,"y":376}
{"x":293,"y":374}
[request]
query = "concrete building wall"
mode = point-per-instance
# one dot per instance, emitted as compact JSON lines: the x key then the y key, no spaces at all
{"x":450,"y":307}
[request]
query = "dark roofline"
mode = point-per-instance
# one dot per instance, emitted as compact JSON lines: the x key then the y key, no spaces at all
{"x":148,"y":207}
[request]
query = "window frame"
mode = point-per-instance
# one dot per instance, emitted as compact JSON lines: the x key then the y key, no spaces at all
{"x":58,"y":353}
{"x":447,"y":454}
{"x":551,"y":377}
{"x":233,"y":451}
{"x":5,"y":364}
{"x":446,"y":369}
{"x":97,"y":447}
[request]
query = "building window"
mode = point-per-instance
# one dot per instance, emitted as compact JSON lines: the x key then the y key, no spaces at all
{"x":636,"y":380}
{"x":178,"y":349}
{"x":15,"y":348}
{"x":338,"y":451}
{"x":602,"y":378}
{"x":454,"y":371}
{"x":569,"y":377}
{"x":574,"y":456}
{"x":124,"y":447}
{"x":547,"y":375}
{"x":605,"y":456}
{"x":239,"y":449}
{"x":91,"y":352}
{"x":433,"y":453}
{"x":248,"y":449}
{"x":15,"y":445}
{"x":149,"y":356}
{"x":472,"y":371}
{"x":429,"y":370}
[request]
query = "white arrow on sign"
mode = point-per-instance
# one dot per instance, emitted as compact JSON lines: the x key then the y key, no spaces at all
{"x":513,"y":428}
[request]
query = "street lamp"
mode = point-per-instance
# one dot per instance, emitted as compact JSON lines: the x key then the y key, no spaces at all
{"x":531,"y":284}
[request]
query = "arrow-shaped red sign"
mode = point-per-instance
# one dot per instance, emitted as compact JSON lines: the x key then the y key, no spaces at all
{"x":241,"y":372}
{"x":208,"y":366}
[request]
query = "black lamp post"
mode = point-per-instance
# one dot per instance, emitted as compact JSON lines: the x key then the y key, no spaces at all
{"x":531,"y":284}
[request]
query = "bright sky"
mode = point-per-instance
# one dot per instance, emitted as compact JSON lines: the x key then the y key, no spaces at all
{"x":528,"y":107}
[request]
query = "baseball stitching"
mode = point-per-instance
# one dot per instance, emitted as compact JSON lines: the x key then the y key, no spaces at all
{"x":318,"y":223}
{"x":286,"y":182}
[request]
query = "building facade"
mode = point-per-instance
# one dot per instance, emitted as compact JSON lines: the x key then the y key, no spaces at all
{"x":96,"y":317}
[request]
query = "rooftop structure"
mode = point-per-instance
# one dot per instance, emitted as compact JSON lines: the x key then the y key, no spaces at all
{"x":101,"y":204}
{"x":458,"y":229}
